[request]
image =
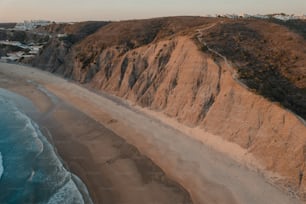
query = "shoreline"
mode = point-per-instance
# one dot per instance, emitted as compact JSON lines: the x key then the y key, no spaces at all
{"x":70,"y":142}
{"x":35,"y":156}
{"x":208,"y":175}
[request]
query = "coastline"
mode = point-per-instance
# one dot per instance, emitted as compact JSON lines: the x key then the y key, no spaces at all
{"x":94,"y":153}
{"x":209,"y":176}
{"x":32,"y":157}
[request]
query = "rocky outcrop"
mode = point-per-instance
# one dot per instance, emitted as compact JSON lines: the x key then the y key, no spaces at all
{"x":237,"y":92}
{"x":4,"y":49}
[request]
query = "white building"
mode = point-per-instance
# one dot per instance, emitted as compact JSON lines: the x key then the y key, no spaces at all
{"x":30,"y":25}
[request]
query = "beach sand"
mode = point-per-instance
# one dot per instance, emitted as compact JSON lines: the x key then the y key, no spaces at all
{"x":114,"y":171}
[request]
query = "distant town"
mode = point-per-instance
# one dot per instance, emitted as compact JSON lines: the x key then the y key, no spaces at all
{"x":30,"y":25}
{"x":278,"y":16}
{"x":17,"y":50}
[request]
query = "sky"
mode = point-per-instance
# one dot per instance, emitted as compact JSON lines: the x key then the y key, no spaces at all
{"x":81,"y":10}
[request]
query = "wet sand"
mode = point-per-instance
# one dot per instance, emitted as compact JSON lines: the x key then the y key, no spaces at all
{"x":113,"y":170}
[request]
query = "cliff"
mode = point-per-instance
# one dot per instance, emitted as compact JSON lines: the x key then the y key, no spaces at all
{"x":243,"y":80}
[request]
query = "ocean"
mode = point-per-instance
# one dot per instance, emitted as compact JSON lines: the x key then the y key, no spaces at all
{"x":30,"y":169}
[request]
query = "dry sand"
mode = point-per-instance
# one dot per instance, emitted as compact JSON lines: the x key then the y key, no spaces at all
{"x":208,"y":175}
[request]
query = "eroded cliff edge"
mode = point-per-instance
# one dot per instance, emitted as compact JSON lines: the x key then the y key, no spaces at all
{"x":242,"y":80}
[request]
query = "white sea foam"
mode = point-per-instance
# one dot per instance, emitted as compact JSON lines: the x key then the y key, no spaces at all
{"x":1,"y":166}
{"x":33,"y":129}
{"x":82,"y":188}
{"x":68,"y":190}
{"x":67,"y":194}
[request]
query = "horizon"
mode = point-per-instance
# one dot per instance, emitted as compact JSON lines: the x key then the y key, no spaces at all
{"x":106,"y":10}
{"x":128,"y":19}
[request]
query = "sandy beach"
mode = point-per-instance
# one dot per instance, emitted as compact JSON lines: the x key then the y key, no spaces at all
{"x":113,"y":170}
{"x":108,"y":143}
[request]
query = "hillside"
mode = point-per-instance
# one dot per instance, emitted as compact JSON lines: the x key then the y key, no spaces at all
{"x":55,"y":56}
{"x":239,"y":79}
{"x":269,"y":59}
{"x":7,"y":25}
{"x":22,"y":36}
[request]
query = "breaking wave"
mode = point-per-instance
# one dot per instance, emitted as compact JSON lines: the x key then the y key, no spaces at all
{"x":30,"y":169}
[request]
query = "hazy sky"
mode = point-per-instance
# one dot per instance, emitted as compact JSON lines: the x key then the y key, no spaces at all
{"x":76,"y":10}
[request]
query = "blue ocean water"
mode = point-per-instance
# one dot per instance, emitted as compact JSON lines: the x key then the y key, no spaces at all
{"x":30,"y":170}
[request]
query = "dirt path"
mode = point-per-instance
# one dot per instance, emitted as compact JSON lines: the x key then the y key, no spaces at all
{"x":209,"y":176}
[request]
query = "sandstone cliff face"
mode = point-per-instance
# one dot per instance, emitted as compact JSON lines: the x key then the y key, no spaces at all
{"x":174,"y":77}
{"x":168,"y":72}
{"x":275,"y":136}
{"x":170,"y":76}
